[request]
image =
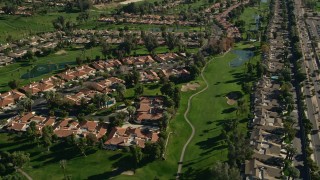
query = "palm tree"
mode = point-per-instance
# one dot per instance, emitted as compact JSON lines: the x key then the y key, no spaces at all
{"x":241,"y":107}
{"x":63,"y":165}
{"x":131,"y":110}
{"x":121,"y":89}
{"x":291,"y":151}
{"x":105,"y":99}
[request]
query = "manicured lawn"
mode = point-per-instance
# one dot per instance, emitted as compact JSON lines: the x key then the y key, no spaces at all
{"x":207,"y":112}
{"x":99,"y":164}
{"x":166,"y":169}
{"x":250,"y":13}
{"x":22,"y":27}
{"x":18,"y":69}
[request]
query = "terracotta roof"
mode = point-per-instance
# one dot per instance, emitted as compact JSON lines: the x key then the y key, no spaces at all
{"x":140,"y":143}
{"x":154,"y":137}
{"x":102,"y":130}
{"x":50,"y":121}
{"x":64,"y":132}
{"x":25,"y":118}
{"x":147,"y":116}
{"x":120,"y":141}
{"x":136,"y":131}
{"x":89,"y":125}
{"x":144,"y":107}
{"x":18,"y":126}
{"x":38,"y":118}
{"x":65,"y":122}
{"x":6,"y":102}
{"x":17,"y":95}
{"x":45,"y":86}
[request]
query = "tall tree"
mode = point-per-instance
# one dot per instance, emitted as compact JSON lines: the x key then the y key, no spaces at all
{"x":19,"y":158}
{"x":121,"y":89}
{"x":171,"y":41}
{"x":105,"y":49}
{"x":222,"y":171}
{"x":138,"y":90}
{"x":13,"y":84}
{"x":63,"y":165}
{"x":131,"y":110}
{"x":151,"y":42}
{"x":47,"y":133}
{"x":26,"y":104}
{"x":136,"y":154}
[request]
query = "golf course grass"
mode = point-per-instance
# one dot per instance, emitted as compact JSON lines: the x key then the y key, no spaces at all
{"x":45,"y":165}
{"x":208,"y":111}
{"x":18,"y":69}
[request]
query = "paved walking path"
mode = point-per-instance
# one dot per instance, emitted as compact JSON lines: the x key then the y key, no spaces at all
{"x":25,"y":174}
{"x":187,"y":119}
{"x":165,"y":147}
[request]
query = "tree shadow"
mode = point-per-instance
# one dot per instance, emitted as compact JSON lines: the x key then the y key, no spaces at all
{"x":192,"y":173}
{"x":123,"y":164}
{"x":209,"y":143}
{"x":209,"y":122}
{"x":228,"y":110}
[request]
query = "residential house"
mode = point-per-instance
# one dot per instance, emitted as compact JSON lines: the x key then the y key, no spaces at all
{"x":121,"y":137}
{"x":149,"y":110}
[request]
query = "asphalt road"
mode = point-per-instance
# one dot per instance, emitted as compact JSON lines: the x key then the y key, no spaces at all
{"x":312,"y":88}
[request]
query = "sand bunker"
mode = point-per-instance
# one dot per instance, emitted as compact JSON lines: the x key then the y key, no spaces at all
{"x":231,"y":101}
{"x":190,"y":87}
{"x":232,"y":97}
{"x":61,"y":52}
{"x":130,"y":1}
{"x":128,"y":173}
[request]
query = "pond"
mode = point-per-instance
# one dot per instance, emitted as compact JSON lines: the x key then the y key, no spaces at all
{"x":242,"y":57}
{"x":42,"y":69}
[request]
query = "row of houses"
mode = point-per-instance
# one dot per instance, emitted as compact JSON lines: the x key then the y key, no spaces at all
{"x":140,"y":20}
{"x":47,"y":41}
{"x":21,"y":10}
{"x":266,"y":136}
{"x":85,"y":71}
{"x":149,"y":111}
{"x":118,"y":136}
{"x":222,"y":19}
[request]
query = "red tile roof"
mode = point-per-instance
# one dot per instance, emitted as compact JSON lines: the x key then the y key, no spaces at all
{"x":18,"y":126}
{"x":64,"y":132}
{"x":89,"y":125}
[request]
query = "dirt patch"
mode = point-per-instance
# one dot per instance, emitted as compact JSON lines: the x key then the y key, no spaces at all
{"x":190,"y":87}
{"x":232,"y":97}
{"x":106,"y":5}
{"x":128,"y":173}
{"x":130,"y":1}
{"x":61,"y":52}
{"x":231,"y":101}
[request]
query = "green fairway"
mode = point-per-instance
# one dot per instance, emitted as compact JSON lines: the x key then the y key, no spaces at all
{"x":18,"y":69}
{"x":166,"y":169}
{"x":99,"y":164}
{"x":208,"y":111}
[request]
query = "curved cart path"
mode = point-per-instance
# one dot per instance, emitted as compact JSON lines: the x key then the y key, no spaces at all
{"x":187,"y":119}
